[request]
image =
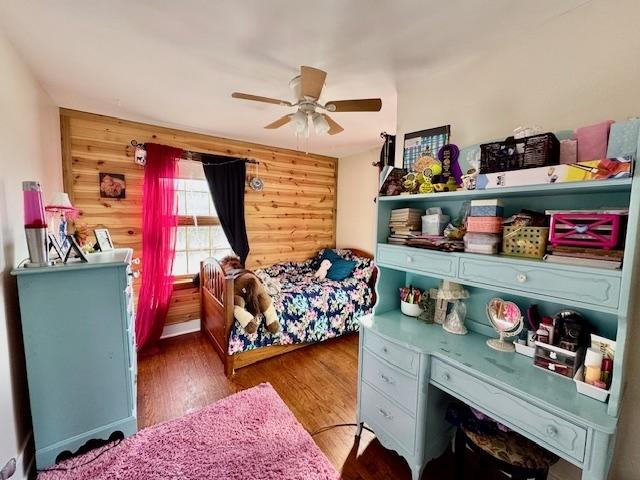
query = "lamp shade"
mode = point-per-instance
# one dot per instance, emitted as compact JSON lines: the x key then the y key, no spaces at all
{"x":299,"y":122}
{"x":59,"y":203}
{"x":320,"y":125}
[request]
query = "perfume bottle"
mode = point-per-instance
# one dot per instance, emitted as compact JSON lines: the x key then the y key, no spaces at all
{"x":35,"y":225}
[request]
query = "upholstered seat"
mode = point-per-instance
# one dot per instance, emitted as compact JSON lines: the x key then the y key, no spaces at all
{"x":513,"y":449}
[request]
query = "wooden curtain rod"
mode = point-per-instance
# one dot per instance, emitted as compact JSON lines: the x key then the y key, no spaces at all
{"x":197,"y":156}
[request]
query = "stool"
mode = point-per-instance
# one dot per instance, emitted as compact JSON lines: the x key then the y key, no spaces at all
{"x":508,"y":452}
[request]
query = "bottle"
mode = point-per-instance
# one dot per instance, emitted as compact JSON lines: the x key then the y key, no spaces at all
{"x":547,"y":324}
{"x":593,"y":366}
{"x":607,"y":371}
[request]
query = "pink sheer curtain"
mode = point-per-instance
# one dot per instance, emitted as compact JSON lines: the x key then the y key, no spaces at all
{"x":159,"y":209}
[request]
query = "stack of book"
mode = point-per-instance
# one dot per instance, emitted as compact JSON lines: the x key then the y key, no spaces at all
{"x":405,"y":223}
{"x":586,"y":257}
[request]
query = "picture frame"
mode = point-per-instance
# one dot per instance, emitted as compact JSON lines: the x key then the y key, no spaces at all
{"x":417,"y":143}
{"x":55,"y":245}
{"x":112,"y":185}
{"x":74,"y":249}
{"x":103,"y":239}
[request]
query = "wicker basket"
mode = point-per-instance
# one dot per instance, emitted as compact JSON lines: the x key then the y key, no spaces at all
{"x":528,"y":242}
{"x":518,"y":153}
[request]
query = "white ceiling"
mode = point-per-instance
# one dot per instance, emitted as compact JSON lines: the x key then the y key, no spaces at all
{"x":175,"y":63}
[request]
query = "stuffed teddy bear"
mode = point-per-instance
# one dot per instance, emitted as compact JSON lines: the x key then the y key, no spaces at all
{"x":250,"y":298}
{"x":323,"y":269}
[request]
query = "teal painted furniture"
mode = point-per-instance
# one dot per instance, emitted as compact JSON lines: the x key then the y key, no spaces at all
{"x":78,"y":331}
{"x":409,"y":371}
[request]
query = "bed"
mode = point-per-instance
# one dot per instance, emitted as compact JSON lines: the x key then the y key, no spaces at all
{"x":309,"y":310}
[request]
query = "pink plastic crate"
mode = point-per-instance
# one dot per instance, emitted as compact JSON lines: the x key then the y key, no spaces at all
{"x":595,"y":230}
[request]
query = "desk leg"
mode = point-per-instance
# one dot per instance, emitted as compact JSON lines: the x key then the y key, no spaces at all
{"x":599,"y":460}
{"x":359,"y":429}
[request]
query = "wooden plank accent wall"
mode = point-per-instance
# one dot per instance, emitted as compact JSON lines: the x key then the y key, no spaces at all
{"x":291,"y":219}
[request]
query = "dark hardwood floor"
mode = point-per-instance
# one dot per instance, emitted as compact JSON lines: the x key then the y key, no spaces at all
{"x":318,"y":383}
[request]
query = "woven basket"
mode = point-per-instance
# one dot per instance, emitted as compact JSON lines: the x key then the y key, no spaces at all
{"x":528,"y":242}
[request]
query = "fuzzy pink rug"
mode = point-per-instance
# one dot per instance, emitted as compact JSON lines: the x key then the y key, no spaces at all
{"x":249,"y":435}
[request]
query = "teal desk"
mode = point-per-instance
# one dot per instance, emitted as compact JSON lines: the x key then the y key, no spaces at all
{"x":78,"y":332}
{"x":409,"y":371}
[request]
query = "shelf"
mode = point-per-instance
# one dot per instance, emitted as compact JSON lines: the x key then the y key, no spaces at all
{"x":520,"y":261}
{"x":512,"y":372}
{"x":581,"y":287}
{"x":598,"y":186}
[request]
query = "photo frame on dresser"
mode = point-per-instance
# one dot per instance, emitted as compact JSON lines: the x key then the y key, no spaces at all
{"x":103,"y":239}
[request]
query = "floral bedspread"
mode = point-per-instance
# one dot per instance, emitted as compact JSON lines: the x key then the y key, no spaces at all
{"x":309,"y":309}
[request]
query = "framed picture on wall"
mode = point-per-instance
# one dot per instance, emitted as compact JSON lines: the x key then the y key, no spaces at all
{"x":103,"y":239}
{"x":112,"y":185}
{"x":416,"y":144}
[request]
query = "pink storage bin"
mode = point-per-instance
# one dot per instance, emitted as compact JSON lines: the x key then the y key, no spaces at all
{"x":484,"y":224}
{"x":595,"y":230}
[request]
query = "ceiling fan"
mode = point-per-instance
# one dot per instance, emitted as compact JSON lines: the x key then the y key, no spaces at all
{"x":307,"y":88}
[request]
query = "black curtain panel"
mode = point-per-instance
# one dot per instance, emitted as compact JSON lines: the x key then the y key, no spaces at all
{"x":226,"y":178}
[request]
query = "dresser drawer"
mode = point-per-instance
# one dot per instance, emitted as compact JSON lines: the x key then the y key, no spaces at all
{"x":397,"y":386}
{"x":570,"y":285}
{"x":381,"y":413}
{"x":400,"y":357}
{"x":544,"y":426}
{"x":437,"y":263}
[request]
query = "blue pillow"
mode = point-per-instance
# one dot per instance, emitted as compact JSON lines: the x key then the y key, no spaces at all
{"x":340,"y":268}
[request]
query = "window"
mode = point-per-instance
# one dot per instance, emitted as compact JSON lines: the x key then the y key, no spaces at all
{"x":199,"y":232}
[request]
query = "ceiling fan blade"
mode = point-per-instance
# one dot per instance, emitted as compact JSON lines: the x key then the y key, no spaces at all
{"x":363,"y":105}
{"x":311,"y":82}
{"x":257,"y":98}
{"x":280,"y":122}
{"x":334,"y":127}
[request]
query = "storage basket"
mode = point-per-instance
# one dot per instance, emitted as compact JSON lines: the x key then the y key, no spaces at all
{"x":518,"y":153}
{"x":528,"y":242}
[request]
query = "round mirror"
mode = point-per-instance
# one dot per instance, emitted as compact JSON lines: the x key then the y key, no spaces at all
{"x":506,"y":319}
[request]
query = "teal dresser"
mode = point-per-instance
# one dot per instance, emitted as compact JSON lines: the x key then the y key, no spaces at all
{"x":409,"y":371}
{"x":78,"y":331}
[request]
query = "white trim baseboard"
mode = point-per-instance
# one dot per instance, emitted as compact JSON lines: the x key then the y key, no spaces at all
{"x":182,"y":328}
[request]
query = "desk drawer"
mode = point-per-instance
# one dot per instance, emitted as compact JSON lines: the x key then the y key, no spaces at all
{"x":400,"y":357}
{"x":571,"y":285}
{"x":381,"y":413}
{"x":544,"y":426}
{"x":401,"y":388}
{"x":437,"y":263}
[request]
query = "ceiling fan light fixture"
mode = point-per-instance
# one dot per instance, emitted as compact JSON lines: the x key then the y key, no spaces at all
{"x":299,"y":122}
{"x":320,"y":125}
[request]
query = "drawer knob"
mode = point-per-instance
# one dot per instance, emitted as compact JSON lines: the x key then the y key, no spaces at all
{"x":552,"y":431}
{"x":385,"y":350}
{"x":409,"y":259}
{"x":521,"y":277}
{"x":446,"y":377}
{"x":385,"y":414}
{"x":386,"y":379}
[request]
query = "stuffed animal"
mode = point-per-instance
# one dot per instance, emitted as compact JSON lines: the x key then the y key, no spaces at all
{"x":323,"y":269}
{"x":250,"y":298}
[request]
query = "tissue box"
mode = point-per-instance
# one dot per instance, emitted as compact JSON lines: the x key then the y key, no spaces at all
{"x":576,"y":172}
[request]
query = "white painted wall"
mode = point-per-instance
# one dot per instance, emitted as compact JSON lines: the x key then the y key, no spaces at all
{"x":575,"y":70}
{"x":29,"y":150}
{"x":357,"y":188}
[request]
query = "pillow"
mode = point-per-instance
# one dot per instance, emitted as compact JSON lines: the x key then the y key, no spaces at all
{"x":340,"y":268}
